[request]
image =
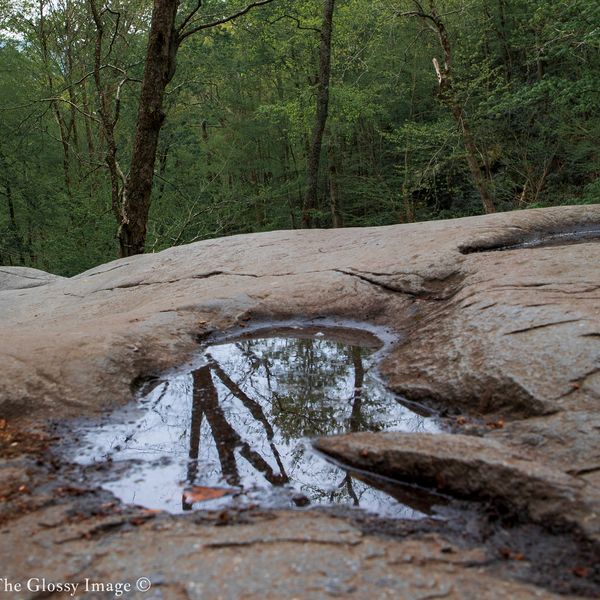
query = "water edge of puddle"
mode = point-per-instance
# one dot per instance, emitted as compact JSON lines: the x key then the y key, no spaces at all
{"x":235,"y":429}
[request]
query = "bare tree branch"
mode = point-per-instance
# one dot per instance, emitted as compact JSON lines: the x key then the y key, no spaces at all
{"x":190,"y":16}
{"x":116,"y":31}
{"x":297,"y":21}
{"x":182,"y":35}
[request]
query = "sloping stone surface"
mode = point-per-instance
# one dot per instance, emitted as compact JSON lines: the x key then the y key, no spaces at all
{"x":510,"y":336}
{"x":19,"y":278}
{"x":472,"y":467}
{"x":478,"y":331}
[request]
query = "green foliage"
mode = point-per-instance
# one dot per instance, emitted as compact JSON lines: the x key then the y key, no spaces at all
{"x":240,"y":109}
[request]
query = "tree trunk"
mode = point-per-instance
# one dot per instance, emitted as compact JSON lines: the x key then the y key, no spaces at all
{"x":450,"y":99}
{"x":336,"y":217}
{"x":62,"y":127}
{"x":312,"y":177}
{"x":469,"y":142}
{"x":14,"y":228}
{"x":158,"y":72}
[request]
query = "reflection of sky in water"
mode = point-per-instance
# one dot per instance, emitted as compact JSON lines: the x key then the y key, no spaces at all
{"x":243,"y":420}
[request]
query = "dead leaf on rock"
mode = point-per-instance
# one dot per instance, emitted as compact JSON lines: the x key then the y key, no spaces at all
{"x":200,"y":493}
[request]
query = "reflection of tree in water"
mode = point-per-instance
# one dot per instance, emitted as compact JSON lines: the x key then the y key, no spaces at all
{"x":242,"y":419}
{"x":295,"y":387}
{"x":312,"y":384}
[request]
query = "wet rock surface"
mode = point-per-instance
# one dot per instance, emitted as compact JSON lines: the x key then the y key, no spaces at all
{"x":505,"y":343}
{"x":473,"y":468}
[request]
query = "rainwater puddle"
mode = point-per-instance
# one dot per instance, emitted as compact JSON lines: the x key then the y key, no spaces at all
{"x":235,"y":429}
{"x":582,"y":235}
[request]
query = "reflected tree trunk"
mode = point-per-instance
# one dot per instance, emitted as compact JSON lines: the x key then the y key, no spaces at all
{"x":226,"y":437}
{"x":359,"y":378}
{"x":354,"y":423}
{"x":195,"y":429}
{"x":254,"y":407}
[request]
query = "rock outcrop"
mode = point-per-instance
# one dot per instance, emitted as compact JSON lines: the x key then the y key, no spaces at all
{"x":490,"y":325}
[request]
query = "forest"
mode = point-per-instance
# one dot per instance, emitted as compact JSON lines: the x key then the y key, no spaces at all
{"x":284,"y":114}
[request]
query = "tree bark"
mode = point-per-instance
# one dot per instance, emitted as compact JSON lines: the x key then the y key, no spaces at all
{"x":60,"y":121}
{"x":14,"y":228}
{"x":312,"y":176}
{"x":449,"y":98}
{"x":336,"y":217}
{"x":158,"y":72}
{"x":163,"y":42}
{"x":108,"y":119}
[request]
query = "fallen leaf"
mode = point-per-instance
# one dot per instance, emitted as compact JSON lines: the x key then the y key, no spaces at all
{"x":508,"y":554}
{"x":2,"y":423}
{"x":581,"y":571}
{"x":200,"y":493}
{"x":71,"y":490}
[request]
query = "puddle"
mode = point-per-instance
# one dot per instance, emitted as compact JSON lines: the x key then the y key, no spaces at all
{"x":235,"y":428}
{"x":564,"y":238}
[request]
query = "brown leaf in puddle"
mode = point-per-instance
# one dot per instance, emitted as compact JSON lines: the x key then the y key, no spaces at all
{"x":581,"y":571}
{"x":200,"y":493}
{"x":71,"y":490}
{"x":508,"y":554}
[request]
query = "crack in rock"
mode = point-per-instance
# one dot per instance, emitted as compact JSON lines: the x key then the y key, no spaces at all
{"x":542,"y":326}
